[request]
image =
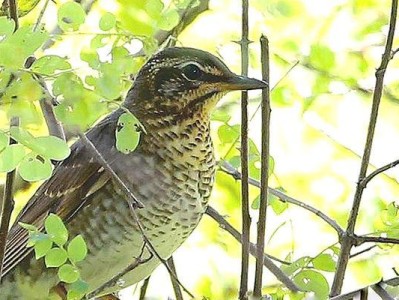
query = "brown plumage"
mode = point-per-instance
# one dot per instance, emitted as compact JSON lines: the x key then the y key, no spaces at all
{"x":171,"y":172}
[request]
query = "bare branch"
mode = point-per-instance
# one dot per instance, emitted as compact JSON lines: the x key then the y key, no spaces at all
{"x":267,"y":262}
{"x":229,"y":169}
{"x":381,"y":292}
{"x":246,"y":218}
{"x":40,"y":17}
{"x":358,"y":240}
{"x":346,"y":243}
{"x":261,"y":228}
{"x":13,"y":11}
{"x":7,"y":203}
{"x":143,"y":289}
{"x":176,"y":287}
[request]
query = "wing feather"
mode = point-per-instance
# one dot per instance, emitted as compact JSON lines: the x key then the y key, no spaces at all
{"x":65,"y":192}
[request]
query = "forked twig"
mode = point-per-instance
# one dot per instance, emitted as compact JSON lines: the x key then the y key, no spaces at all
{"x":267,"y":260}
{"x":229,"y":169}
{"x":347,"y":241}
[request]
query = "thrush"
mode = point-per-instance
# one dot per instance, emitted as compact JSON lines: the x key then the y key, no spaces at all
{"x":171,"y":172}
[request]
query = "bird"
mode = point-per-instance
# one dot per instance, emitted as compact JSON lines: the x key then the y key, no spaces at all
{"x":171,"y":173}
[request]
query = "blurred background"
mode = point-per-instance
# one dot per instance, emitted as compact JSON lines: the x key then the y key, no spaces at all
{"x":324,"y":54}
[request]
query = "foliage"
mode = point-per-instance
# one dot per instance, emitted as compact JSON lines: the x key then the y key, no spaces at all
{"x":52,"y":245}
{"x":319,"y":120}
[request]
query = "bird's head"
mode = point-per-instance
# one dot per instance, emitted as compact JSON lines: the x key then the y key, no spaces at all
{"x":177,"y":82}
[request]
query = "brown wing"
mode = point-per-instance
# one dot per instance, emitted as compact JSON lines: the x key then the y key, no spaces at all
{"x":64,"y":193}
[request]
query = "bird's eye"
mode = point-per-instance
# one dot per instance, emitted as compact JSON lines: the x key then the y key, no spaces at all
{"x":192,"y":72}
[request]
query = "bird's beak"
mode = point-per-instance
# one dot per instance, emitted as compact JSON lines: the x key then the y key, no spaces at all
{"x":237,"y":82}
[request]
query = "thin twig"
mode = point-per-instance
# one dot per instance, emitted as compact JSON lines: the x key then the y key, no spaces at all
{"x":7,"y":204}
{"x":381,"y":292}
{"x":377,"y":287}
{"x":347,"y":242}
{"x":229,"y":169}
{"x":369,"y":177}
{"x":176,"y":287}
{"x":13,"y":12}
{"x":348,"y":296}
{"x":246,"y":218}
{"x":40,"y":17}
{"x":46,"y":104}
{"x":143,"y":289}
{"x":358,"y":240}
{"x":267,"y":260}
{"x":265,"y":150}
{"x":363,"y":251}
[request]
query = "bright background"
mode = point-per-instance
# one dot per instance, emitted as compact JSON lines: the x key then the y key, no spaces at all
{"x":320,"y":112}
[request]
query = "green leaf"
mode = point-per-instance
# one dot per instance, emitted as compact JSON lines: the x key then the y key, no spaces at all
{"x":26,"y":226}
{"x":256,"y":202}
{"x":77,"y":249}
{"x":56,"y":229}
{"x":127,"y":134}
{"x":25,"y":89}
{"x":324,"y":262}
{"x":68,"y":273}
{"x":3,"y":140}
{"x":235,"y":161}
{"x":169,"y":20}
{"x":98,"y":41}
{"x":70,"y":16}
{"x":77,"y":290}
{"x":21,"y":135}
{"x":322,"y":57}
{"x":91,"y":57}
{"x":16,"y":48}
{"x":42,"y":247}
{"x":277,"y":205}
{"x":49,"y":64}
{"x":10,"y":157}
{"x":52,"y":147}
{"x":154,"y":8}
{"x":296,"y":265}
{"x":35,"y":167}
{"x":312,"y":281}
{"x":55,"y":257}
{"x":228,"y":134}
{"x":6,"y":27}
{"x":108,"y":21}
{"x":36,"y":236}
{"x":221,"y":116}
{"x":26,"y":111}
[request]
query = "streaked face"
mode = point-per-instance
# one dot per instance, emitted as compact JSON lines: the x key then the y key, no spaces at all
{"x":179,"y":81}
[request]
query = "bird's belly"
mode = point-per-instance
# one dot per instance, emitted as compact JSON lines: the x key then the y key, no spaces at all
{"x":118,"y":242}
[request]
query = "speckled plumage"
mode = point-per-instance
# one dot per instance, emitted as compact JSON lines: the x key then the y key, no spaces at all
{"x":171,"y":172}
